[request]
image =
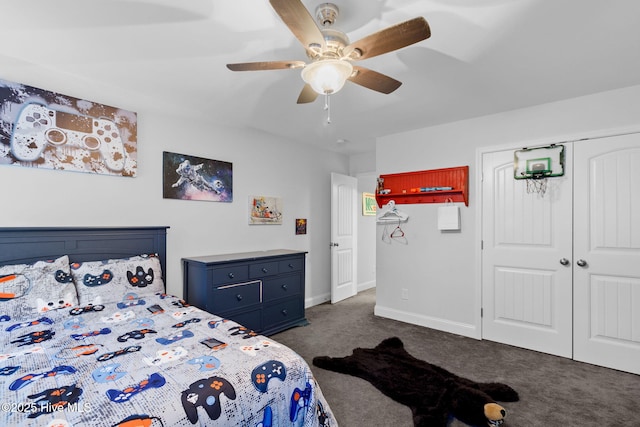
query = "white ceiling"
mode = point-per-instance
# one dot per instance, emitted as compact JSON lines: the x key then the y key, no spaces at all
{"x":484,"y":57}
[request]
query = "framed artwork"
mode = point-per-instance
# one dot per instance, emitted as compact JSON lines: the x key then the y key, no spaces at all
{"x":48,"y":130}
{"x":265,"y":210}
{"x":195,"y":178}
{"x":301,"y":226}
{"x":368,"y":204}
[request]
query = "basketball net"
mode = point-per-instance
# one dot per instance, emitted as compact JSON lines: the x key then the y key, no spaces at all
{"x":536,"y":183}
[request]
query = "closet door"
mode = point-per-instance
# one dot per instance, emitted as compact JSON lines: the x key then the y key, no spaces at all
{"x":526,"y":255}
{"x":607,"y":252}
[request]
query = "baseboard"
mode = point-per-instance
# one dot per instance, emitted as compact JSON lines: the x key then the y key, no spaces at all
{"x":464,"y":329}
{"x":321,"y":299}
{"x":366,"y":285}
{"x":317,"y":300}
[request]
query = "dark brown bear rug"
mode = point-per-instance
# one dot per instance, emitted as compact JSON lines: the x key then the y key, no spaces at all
{"x":434,"y":394}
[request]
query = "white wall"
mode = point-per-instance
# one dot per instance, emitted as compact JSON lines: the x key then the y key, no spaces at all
{"x":363,"y":167}
{"x":262,"y":165}
{"x":440,"y":270}
{"x":366,"y":236}
{"x":362,"y":163}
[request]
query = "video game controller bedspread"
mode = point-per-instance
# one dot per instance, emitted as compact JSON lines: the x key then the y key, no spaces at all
{"x":153,"y":363}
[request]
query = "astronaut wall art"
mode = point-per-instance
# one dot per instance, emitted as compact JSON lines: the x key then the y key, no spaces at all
{"x":195,"y":178}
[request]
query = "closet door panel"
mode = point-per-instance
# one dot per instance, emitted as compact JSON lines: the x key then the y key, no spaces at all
{"x":526,"y":291}
{"x":607,"y":252}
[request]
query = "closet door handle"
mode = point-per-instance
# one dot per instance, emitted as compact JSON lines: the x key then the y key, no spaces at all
{"x":564,"y":261}
{"x":581,"y":263}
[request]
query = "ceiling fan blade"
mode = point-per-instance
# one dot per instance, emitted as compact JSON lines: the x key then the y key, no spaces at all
{"x":390,"y":39}
{"x":300,"y":22}
{"x":307,"y":95}
{"x":270,"y":65}
{"x":374,"y":80}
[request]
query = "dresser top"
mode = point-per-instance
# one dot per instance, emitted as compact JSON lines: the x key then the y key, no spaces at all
{"x":243,"y":256}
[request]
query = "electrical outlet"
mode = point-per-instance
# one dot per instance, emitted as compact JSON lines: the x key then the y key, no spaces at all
{"x":405,"y":293}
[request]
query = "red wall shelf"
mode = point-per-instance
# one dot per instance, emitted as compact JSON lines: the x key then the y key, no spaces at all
{"x":405,"y":187}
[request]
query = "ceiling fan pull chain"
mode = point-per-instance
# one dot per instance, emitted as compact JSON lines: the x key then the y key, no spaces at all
{"x":327,"y":106}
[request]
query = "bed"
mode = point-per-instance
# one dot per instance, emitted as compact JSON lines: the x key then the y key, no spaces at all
{"x":89,"y":337}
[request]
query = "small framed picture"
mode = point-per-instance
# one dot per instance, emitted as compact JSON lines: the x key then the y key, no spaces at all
{"x":265,"y":210}
{"x":301,"y":226}
{"x":368,"y":204}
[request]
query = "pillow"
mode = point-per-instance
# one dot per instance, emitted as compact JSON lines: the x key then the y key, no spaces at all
{"x":32,"y":289}
{"x":117,"y":280}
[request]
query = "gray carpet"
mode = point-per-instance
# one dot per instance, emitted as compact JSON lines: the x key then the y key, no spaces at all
{"x":553,"y":391}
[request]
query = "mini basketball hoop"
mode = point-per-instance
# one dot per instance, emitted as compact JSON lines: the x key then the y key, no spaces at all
{"x":537,"y":165}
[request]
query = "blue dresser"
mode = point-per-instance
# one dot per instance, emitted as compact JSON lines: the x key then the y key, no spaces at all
{"x":263,"y":291}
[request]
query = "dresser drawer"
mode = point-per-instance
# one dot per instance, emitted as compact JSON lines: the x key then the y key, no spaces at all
{"x":235,"y":297}
{"x":285,"y":311}
{"x":230,"y":274}
{"x":263,"y":269}
{"x":281,"y":287}
{"x":294,"y":264}
{"x":249,"y":319}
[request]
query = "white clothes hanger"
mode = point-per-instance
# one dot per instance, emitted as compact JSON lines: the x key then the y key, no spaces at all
{"x":392,"y":214}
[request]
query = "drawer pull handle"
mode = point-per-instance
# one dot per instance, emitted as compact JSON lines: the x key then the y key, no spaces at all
{"x":231,"y":276}
{"x":284,"y":286}
{"x":264,"y":270}
{"x":284,"y":312}
{"x":239,"y":297}
{"x":290,"y":265}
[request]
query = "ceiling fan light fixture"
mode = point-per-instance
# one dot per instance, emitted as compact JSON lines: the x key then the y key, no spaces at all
{"x":327,"y":76}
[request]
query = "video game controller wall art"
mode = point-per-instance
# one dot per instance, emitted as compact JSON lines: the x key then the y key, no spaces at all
{"x":43,"y":129}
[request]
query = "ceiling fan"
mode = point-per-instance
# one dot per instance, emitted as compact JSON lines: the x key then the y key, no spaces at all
{"x":331,"y":53}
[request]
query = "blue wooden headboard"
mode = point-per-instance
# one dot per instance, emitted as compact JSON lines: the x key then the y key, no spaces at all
{"x":27,"y":244}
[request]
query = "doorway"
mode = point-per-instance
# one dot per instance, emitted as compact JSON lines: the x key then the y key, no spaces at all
{"x":344,"y":234}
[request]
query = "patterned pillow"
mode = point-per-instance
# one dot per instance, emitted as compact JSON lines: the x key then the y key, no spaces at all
{"x":117,"y":280}
{"x":32,"y":289}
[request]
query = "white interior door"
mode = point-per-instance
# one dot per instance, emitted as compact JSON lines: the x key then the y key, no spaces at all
{"x":607,"y":252}
{"x":344,"y":210}
{"x":526,"y":238}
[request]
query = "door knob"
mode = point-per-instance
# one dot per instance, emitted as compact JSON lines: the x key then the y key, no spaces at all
{"x":564,"y":261}
{"x":581,"y":263}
